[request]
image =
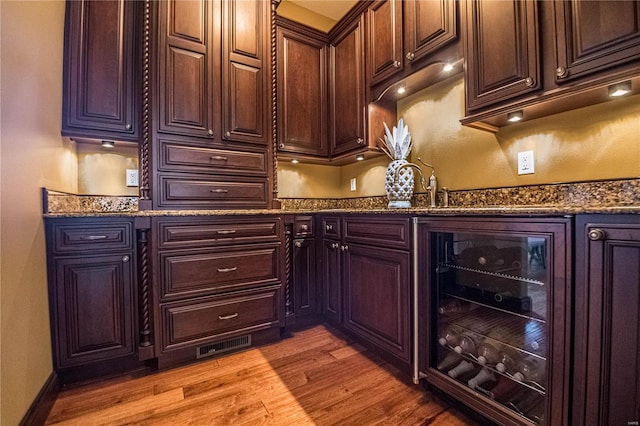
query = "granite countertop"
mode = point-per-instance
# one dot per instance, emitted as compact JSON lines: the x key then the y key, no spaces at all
{"x":600,"y":197}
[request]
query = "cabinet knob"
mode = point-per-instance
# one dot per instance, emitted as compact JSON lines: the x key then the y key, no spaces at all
{"x":298,"y":244}
{"x":210,"y":132}
{"x":344,"y":247}
{"x":304,"y":227}
{"x":596,"y":234}
{"x":281,"y":146}
{"x":334,"y":245}
{"x":410,"y":56}
{"x":396,"y":64}
{"x":125,"y":259}
{"x":360,"y":141}
{"x":127,"y":126}
{"x":329,"y":227}
{"x":227,"y":134}
{"x":529,"y":82}
{"x":561,"y":72}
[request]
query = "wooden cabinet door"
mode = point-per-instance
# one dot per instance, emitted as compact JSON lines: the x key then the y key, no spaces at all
{"x":502,"y":51}
{"x":304,"y":276}
{"x":245,"y":85}
{"x":189,"y":68}
{"x":377,"y":307}
{"x":302,"y":93}
{"x":332,"y":280}
{"x":100,"y":69}
{"x":428,"y":25}
{"x":594,"y":36}
{"x":93,"y":309}
{"x":384,"y":48}
{"x":347,"y":90}
{"x":607,"y":342}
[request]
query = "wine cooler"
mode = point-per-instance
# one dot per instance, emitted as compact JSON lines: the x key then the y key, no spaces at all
{"x":492,"y":315}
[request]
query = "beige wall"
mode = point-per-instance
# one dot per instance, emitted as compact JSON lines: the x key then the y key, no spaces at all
{"x":32,"y":155}
{"x":294,"y":12}
{"x":593,"y":143}
{"x":102,"y":171}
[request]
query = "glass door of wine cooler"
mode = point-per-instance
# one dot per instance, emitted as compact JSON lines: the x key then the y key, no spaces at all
{"x":490,"y":300}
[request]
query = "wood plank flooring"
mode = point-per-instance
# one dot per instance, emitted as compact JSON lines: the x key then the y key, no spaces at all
{"x":314,"y":377}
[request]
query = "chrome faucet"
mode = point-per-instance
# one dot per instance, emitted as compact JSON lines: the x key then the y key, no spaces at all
{"x":433,"y":184}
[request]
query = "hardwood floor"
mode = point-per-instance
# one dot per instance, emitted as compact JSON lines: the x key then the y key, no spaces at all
{"x":316,"y":376}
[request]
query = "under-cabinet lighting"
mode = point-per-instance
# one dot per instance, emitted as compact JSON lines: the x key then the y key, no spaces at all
{"x":401,"y":90}
{"x":620,"y":89}
{"x":360,"y":157}
{"x":294,"y":161}
{"x":108,"y":144}
{"x":515,"y":116}
{"x":447,"y":68}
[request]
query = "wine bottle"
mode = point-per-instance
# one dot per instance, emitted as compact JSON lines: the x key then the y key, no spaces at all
{"x":464,"y":367}
{"x":536,"y":413}
{"x":524,"y":401}
{"x":502,"y":389}
{"x":475,"y":257}
{"x":530,"y":369}
{"x":449,"y":335}
{"x":455,"y":306}
{"x":484,"y":376}
{"x":468,"y":343}
{"x":451,"y":359}
{"x":489,"y":352}
{"x":509,"y":358}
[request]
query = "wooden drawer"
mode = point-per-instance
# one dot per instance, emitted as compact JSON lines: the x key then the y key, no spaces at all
{"x":331,"y":227}
{"x":202,"y":231}
{"x":186,"y":192}
{"x":389,"y":232}
{"x":184,"y":158}
{"x":198,"y":272}
{"x":197,"y":321}
{"x":82,"y":235}
{"x":303,"y":226}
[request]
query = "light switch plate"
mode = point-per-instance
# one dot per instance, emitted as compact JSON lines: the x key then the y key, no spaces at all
{"x":132,"y":177}
{"x":525,"y":163}
{"x":353,"y":184}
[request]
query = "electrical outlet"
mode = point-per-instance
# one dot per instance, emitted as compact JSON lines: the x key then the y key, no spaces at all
{"x":353,"y":184}
{"x":132,"y":177}
{"x":525,"y":163}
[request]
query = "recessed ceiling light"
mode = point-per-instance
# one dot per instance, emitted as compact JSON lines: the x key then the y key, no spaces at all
{"x":401,"y":90}
{"x":620,"y":89}
{"x":515,"y":116}
{"x":447,"y":68}
{"x":108,"y":144}
{"x":360,"y":157}
{"x":295,"y":161}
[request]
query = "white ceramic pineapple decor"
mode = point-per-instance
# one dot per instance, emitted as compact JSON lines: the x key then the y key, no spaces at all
{"x":399,"y":180}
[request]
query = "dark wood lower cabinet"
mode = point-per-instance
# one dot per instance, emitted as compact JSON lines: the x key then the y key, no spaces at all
{"x":607,"y":340}
{"x":304,"y":276}
{"x":92,"y":297}
{"x":376,"y":303}
{"x":332,"y":281}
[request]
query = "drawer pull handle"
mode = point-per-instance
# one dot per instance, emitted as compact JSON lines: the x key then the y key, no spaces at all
{"x":218,"y":158}
{"x":227,"y":269}
{"x":219,"y":191}
{"x":93,"y":237}
{"x":227,"y":317}
{"x":226,"y":231}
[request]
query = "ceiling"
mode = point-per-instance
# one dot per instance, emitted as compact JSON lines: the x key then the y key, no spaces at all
{"x":333,"y":9}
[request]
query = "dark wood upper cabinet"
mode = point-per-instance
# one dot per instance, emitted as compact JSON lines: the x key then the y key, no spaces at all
{"x":347,"y":85}
{"x":384,"y":51}
{"x":245,"y":77}
{"x":502,"y":51}
{"x":428,"y":26}
{"x":302,"y":91}
{"x":101,"y":70}
{"x":189,"y":68}
{"x":607,"y":344}
{"x":593,"y":36}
